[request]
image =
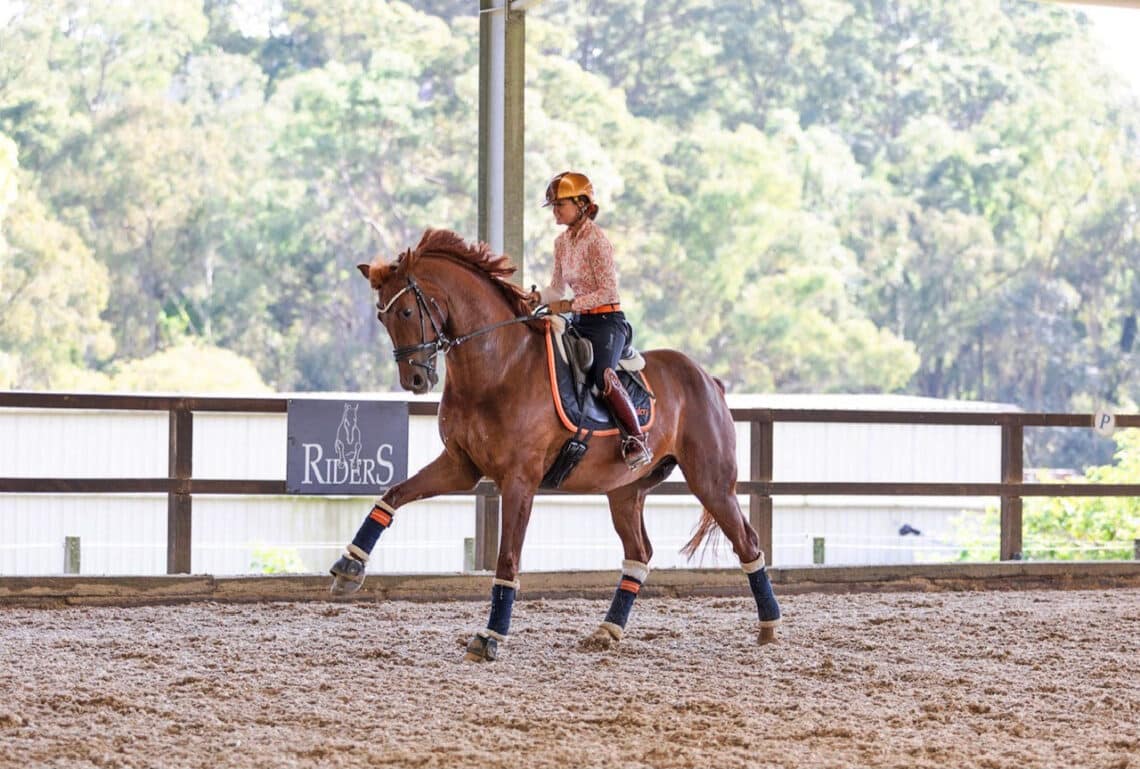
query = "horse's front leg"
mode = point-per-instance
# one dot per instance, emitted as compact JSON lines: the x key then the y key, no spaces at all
{"x":517,"y":500}
{"x":450,"y":471}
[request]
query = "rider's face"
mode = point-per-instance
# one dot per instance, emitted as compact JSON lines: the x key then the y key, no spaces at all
{"x":565,"y":211}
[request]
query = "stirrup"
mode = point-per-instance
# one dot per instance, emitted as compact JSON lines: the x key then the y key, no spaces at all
{"x":635,"y":451}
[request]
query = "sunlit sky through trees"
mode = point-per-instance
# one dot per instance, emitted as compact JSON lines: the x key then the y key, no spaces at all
{"x":1119,"y":28}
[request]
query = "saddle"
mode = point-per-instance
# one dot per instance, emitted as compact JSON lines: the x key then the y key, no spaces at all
{"x":570,"y":357}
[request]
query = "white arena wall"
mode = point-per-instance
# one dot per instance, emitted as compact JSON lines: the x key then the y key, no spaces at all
{"x":126,"y":534}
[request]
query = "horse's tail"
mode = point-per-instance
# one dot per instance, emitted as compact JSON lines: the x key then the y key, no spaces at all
{"x":707,"y":525}
{"x":703,"y":528}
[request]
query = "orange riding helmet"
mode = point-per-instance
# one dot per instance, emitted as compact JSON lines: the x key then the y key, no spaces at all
{"x":569,"y":184}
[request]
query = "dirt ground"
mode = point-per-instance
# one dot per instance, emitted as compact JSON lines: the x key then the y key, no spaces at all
{"x":994,"y":679}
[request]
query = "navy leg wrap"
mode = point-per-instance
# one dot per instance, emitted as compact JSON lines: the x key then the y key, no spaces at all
{"x":374,"y":525}
{"x":766,"y":604}
{"x":623,"y":600}
{"x":502,"y":602}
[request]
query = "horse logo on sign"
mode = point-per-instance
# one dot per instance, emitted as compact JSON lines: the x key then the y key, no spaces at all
{"x":348,"y":434}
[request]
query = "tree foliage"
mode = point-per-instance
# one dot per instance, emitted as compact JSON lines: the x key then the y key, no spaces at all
{"x":926,"y":196}
{"x":51,"y":289}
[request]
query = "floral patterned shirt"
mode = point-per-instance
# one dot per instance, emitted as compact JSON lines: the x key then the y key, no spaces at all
{"x":584,"y":261}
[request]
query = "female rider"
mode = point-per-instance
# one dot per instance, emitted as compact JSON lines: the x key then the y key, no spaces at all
{"x":584,"y":262}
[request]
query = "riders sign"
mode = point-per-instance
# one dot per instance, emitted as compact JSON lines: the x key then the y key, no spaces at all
{"x":346,"y":447}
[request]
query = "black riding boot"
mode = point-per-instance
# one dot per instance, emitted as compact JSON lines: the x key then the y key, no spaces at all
{"x":634,"y":448}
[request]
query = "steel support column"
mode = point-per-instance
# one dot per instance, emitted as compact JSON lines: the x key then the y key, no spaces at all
{"x":502,"y":76}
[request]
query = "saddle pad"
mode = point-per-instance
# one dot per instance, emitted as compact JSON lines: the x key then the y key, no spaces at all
{"x":591,"y":413}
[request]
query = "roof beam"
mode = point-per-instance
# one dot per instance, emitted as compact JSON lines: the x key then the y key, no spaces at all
{"x":1106,"y":3}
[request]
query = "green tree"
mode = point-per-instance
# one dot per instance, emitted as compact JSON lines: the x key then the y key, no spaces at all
{"x":917,"y":195}
{"x":766,"y":282}
{"x":350,"y":173}
{"x":51,"y":291}
{"x":188,"y":367}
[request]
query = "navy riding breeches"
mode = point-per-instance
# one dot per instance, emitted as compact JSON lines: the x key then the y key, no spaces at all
{"x":609,"y":333}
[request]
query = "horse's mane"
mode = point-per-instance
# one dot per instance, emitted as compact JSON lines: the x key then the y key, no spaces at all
{"x":446,"y":244}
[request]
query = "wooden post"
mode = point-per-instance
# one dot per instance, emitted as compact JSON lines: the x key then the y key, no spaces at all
{"x":71,"y":553}
{"x":486,"y":528}
{"x":1136,"y":550}
{"x":180,"y":463}
{"x":1012,"y":452}
{"x":760,"y":505}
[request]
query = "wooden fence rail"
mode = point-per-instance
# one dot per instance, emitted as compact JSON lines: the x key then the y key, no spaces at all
{"x":180,"y":486}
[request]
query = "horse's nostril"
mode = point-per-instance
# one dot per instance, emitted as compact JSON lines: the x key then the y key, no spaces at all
{"x":417,"y":381}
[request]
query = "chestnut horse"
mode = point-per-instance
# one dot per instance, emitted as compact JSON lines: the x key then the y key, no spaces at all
{"x":497,"y":421}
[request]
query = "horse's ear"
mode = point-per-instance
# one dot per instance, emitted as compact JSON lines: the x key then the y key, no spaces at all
{"x":365,"y":270}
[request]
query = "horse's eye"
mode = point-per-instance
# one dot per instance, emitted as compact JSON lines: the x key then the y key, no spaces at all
{"x":406,"y":312}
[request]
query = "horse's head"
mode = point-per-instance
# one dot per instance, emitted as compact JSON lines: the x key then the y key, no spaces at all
{"x":417,"y":312}
{"x":414,"y":320}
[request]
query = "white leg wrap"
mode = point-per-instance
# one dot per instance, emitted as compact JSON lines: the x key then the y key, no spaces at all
{"x":635,"y":569}
{"x":356,"y":553}
{"x":380,"y":503}
{"x":506,"y":583}
{"x":488,"y":633}
{"x":754,"y":566}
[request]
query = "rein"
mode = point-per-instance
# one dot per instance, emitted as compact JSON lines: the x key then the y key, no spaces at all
{"x":442,"y":342}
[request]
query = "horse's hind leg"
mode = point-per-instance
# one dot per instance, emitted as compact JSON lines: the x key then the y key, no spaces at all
{"x":447,"y":472}
{"x":627,"y":507}
{"x":713,"y":482}
{"x":767,"y":607}
{"x":725,"y":511}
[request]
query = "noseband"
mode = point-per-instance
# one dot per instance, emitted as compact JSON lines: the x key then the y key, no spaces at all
{"x":442,"y":342}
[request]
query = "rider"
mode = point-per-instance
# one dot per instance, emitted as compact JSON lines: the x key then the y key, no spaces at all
{"x":584,"y":261}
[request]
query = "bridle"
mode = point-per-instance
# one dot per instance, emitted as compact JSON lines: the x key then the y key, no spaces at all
{"x":442,"y":342}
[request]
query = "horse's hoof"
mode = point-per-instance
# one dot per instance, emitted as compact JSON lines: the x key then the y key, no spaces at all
{"x":767,"y":634}
{"x":482,"y":648}
{"x":602,"y":639}
{"x":348,"y":575}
